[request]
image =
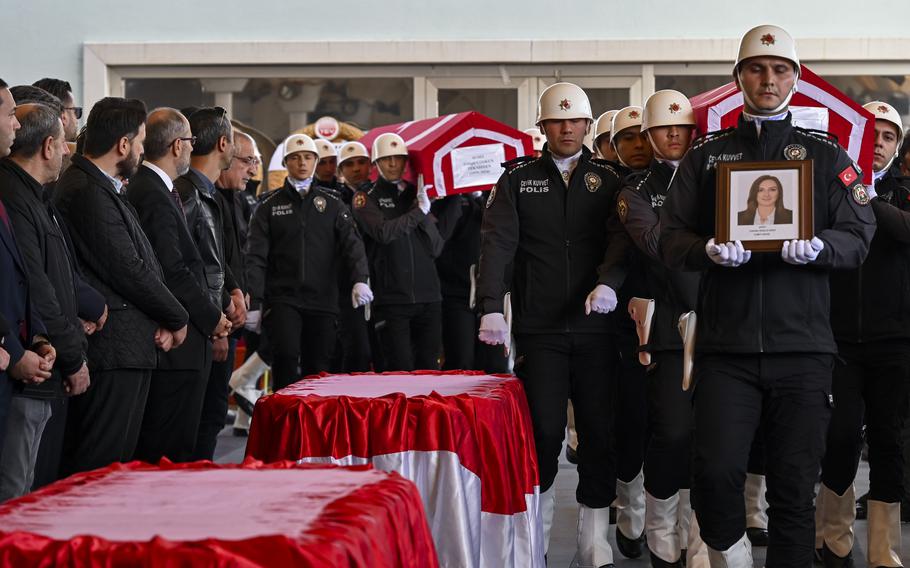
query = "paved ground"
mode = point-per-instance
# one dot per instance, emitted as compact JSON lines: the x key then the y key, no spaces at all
{"x":562,"y":540}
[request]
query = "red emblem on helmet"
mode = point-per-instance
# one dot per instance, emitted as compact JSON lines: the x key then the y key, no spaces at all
{"x":883,"y":109}
{"x":633,"y":114}
{"x":300,"y":141}
{"x":393,"y":144}
{"x":767,"y":39}
{"x":565,"y":104}
{"x":675,"y":108}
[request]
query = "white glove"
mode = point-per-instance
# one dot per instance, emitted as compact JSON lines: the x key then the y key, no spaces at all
{"x":493,"y":329}
{"x":361,"y":295}
{"x":870,"y":191}
{"x":423,"y":202}
{"x":253,"y":320}
{"x":727,"y":254}
{"x":801,"y":252}
{"x":601,"y":300}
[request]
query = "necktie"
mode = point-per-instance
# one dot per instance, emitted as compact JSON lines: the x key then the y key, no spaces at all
{"x":178,"y":201}
{"x":5,"y":217}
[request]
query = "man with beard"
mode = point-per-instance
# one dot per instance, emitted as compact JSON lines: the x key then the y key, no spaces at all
{"x":213,"y":151}
{"x":175,"y":397}
{"x":118,"y":261}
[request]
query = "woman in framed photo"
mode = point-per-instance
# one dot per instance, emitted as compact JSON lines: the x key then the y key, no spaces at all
{"x":765,"y":205}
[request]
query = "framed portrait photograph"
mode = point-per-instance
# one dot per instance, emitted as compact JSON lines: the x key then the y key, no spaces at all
{"x":764,"y":204}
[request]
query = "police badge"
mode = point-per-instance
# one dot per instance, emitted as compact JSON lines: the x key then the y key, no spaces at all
{"x":795,"y":152}
{"x":360,"y":199}
{"x":319,"y":202}
{"x":492,"y":197}
{"x":592,"y":181}
{"x":622,"y":208}
{"x":860,"y":195}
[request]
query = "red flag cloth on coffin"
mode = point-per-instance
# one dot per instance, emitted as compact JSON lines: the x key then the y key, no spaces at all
{"x":817,"y":104}
{"x":438,"y":155}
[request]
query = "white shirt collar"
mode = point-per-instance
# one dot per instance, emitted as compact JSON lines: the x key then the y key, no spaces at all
{"x":757,"y":220}
{"x":164,"y":177}
{"x":758,"y":120}
{"x":672,"y":163}
{"x":301,"y":185}
{"x":566,"y":165}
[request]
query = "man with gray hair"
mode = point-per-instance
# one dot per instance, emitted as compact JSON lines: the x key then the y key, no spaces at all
{"x":53,"y":284}
{"x":178,"y":384}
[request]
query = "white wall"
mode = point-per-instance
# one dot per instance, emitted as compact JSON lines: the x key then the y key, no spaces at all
{"x":44,"y":37}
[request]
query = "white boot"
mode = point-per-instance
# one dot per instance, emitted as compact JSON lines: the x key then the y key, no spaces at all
{"x":737,"y":556}
{"x":884,"y":533}
{"x":756,"y":503}
{"x":838,"y":514}
{"x":661,"y":527}
{"x":594,"y":548}
{"x":630,"y":506}
{"x":684,"y":515}
{"x":249,"y":372}
{"x":697,"y":550}
{"x":547,"y":508}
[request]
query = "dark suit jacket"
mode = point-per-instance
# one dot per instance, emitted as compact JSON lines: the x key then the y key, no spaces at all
{"x":21,"y":318}
{"x":53,"y":279}
{"x":205,"y":223}
{"x":782,"y":217}
{"x":119,"y":262}
{"x":184,"y":273}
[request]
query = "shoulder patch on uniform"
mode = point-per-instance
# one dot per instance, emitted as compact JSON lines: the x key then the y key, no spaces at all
{"x":712,"y":136}
{"x":515,"y":162}
{"x":622,"y":209}
{"x":849,"y":175}
{"x":860,"y":195}
{"x":360,"y":199}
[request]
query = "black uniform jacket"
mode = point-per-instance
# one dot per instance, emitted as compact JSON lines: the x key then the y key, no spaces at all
{"x":294,"y":244}
{"x":401,"y":243}
{"x":118,"y":261}
{"x":872,"y":303}
{"x":459,"y":218}
{"x":184,"y":273}
{"x":557,"y":238}
{"x":206,"y":224}
{"x":766,"y":305}
{"x":52,"y":276}
{"x":674,"y":292}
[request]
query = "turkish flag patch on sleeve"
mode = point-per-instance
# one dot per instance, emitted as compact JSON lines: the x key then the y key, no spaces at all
{"x":848,"y":176}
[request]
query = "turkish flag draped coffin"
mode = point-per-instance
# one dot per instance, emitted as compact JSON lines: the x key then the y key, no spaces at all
{"x":457,"y":153}
{"x":817,"y":104}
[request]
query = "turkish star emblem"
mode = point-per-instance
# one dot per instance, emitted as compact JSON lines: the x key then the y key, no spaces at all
{"x":675,"y":108}
{"x":565,"y":104}
{"x":882,"y":109}
{"x":767,"y":39}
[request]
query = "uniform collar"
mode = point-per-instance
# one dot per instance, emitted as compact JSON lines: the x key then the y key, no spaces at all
{"x":775,"y":127}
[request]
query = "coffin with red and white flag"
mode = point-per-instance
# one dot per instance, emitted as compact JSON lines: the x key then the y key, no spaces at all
{"x":456,"y":153}
{"x":817,"y":104}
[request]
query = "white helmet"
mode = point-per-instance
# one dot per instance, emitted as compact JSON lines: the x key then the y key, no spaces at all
{"x":537,"y":137}
{"x":767,"y":41}
{"x":298,"y":143}
{"x":667,"y":108}
{"x":562,"y":101}
{"x":389,"y":144}
{"x":886,"y":112}
{"x":352,"y":150}
{"x":625,"y":118}
{"x":326,"y":149}
{"x":604,"y":124}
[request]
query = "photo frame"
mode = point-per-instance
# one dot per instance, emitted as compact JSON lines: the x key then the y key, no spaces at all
{"x":764,"y":204}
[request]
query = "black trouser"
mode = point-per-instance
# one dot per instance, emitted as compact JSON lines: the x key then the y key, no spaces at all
{"x":870,"y":381}
{"x":102,"y":424}
{"x":214,"y":405}
{"x":788,"y":395}
{"x":410,"y":335}
{"x":50,"y":450}
{"x":670,"y":423}
{"x":354,"y":339}
{"x":630,"y":409}
{"x":299,"y":339}
{"x":460,"y":347}
{"x":172,"y":414}
{"x":554,"y":368}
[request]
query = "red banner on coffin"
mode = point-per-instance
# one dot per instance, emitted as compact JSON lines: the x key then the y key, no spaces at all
{"x":456,"y":153}
{"x":817,"y":104}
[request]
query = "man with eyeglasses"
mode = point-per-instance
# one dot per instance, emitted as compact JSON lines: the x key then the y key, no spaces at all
{"x":71,"y":113}
{"x":212,"y":153}
{"x":178,"y":384}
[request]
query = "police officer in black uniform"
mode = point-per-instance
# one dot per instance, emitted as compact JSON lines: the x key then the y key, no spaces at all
{"x":764,"y":344}
{"x":550,"y":219}
{"x":668,"y":122}
{"x":296,"y":237}
{"x":872,"y":329}
{"x":402,"y":243}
